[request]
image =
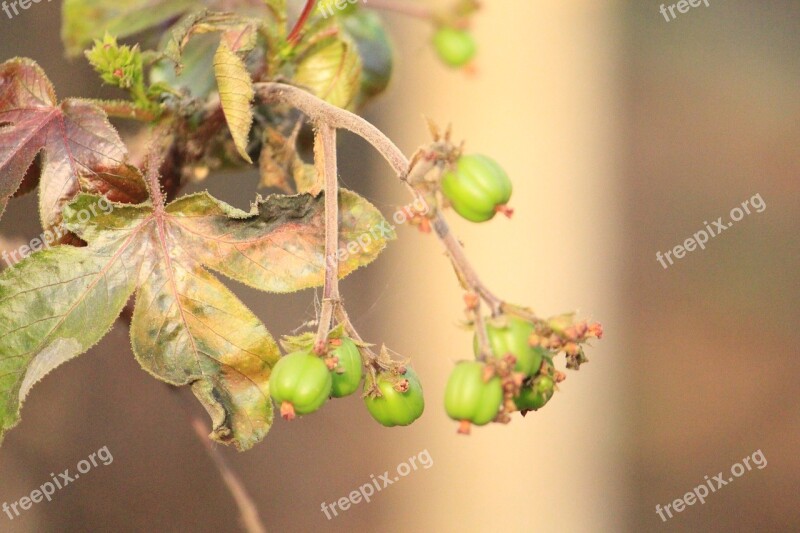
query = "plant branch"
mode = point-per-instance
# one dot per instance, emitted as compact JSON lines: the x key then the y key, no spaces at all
{"x":155,"y":157}
{"x":325,"y":156}
{"x":321,"y":112}
{"x":124,"y":109}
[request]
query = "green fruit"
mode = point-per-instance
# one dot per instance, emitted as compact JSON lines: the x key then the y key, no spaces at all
{"x":536,"y":395}
{"x":394,"y":408}
{"x":477,"y":188}
{"x":469,"y":399}
{"x":300,"y":383}
{"x":455,"y":47}
{"x":510,"y":334}
{"x":347,"y":375}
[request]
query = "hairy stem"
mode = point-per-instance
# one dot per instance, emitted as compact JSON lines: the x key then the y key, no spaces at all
{"x":124,"y":109}
{"x":155,"y":157}
{"x":321,"y":112}
{"x":325,"y":155}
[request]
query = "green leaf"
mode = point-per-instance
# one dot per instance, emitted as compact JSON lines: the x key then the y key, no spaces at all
{"x":332,"y":71}
{"x":55,"y":305}
{"x":236,"y":95}
{"x":81,"y":148}
{"x":86,"y":20}
{"x":187,"y":328}
{"x":367,"y":30}
{"x":277,"y":8}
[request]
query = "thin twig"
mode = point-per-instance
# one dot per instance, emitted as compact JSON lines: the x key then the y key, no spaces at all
{"x":248,"y":512}
{"x":325,"y":153}
{"x":321,"y":112}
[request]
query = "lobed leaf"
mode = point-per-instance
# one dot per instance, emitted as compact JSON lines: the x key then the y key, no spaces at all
{"x":187,"y":327}
{"x":79,"y":145}
{"x":55,"y":305}
{"x":279,"y":247}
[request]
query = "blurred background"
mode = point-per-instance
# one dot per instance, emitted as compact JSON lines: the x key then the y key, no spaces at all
{"x":623,"y":133}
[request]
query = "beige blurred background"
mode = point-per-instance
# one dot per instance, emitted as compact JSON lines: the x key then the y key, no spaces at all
{"x":623,"y":133}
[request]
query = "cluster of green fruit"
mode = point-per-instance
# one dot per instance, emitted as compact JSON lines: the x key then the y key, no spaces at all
{"x":302,"y":382}
{"x":516,"y":376}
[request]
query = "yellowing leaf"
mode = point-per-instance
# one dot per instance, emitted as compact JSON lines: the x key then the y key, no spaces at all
{"x":332,"y":72}
{"x":279,"y":247}
{"x":236,"y":94}
{"x":187,"y":328}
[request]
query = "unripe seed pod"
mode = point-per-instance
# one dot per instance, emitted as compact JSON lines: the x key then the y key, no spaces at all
{"x":469,"y":399}
{"x":300,"y":383}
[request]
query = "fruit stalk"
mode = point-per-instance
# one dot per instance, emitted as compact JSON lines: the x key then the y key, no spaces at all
{"x":321,"y":112}
{"x":325,"y":156}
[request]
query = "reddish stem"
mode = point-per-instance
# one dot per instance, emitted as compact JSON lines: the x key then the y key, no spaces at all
{"x":294,"y":35}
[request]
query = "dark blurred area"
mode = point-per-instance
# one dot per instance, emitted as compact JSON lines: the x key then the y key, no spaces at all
{"x":625,"y":134}
{"x":713,"y":118}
